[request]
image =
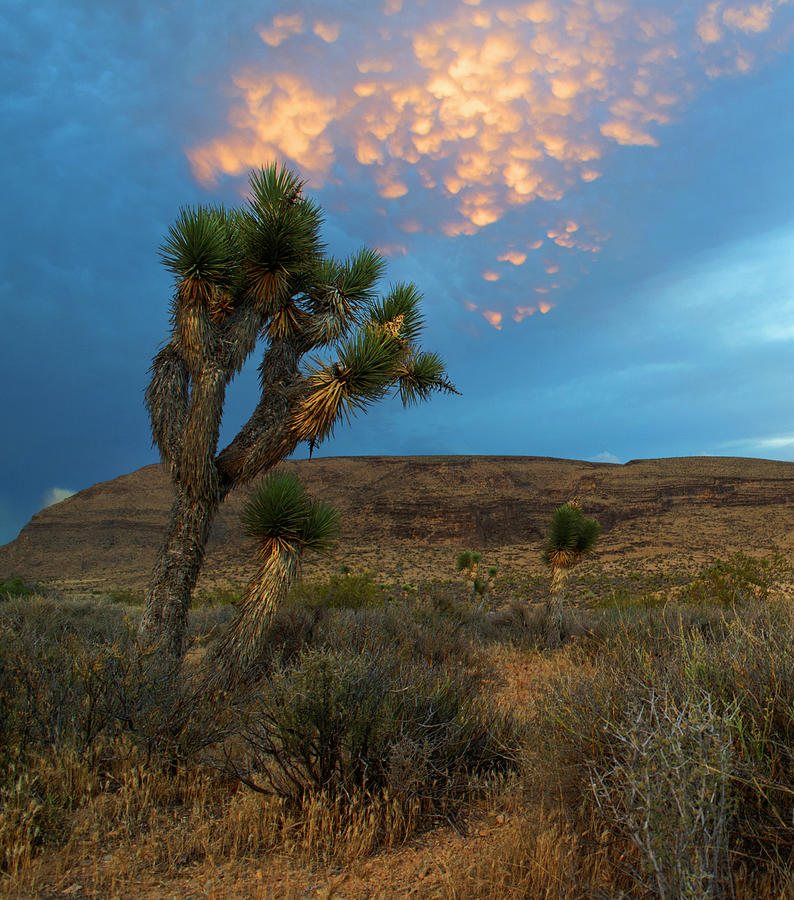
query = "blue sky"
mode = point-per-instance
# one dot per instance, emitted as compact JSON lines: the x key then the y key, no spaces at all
{"x":596,"y":198}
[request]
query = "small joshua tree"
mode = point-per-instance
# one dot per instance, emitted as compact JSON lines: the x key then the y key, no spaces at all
{"x":468,"y":562}
{"x":241,"y":276}
{"x":285,"y":523}
{"x":571,"y":537}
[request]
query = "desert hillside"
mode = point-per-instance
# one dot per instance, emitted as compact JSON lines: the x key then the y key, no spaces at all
{"x":404,"y":517}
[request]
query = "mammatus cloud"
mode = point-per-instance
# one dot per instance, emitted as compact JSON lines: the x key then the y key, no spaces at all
{"x":477,"y":111}
{"x":281,"y":28}
{"x":55,"y":495}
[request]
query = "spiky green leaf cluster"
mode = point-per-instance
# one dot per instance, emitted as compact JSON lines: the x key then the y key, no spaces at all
{"x":280,"y":510}
{"x":262,"y":271}
{"x":420,"y":374}
{"x":367,"y":362}
{"x":281,"y":236}
{"x":467,"y":560}
{"x":401,"y":304}
{"x":201,"y":248}
{"x":571,"y":536}
{"x":360,"y":273}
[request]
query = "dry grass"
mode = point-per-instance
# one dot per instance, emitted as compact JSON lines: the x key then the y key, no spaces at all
{"x":651,"y":756}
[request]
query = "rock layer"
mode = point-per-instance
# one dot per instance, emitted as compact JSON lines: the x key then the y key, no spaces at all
{"x":406,"y":516}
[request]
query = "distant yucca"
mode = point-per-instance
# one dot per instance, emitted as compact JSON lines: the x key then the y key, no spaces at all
{"x":571,"y":536}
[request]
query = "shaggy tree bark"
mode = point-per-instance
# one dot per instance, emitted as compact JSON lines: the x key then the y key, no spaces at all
{"x":553,"y":624}
{"x":261,"y":443}
{"x":239,"y":647}
{"x":175,"y":573}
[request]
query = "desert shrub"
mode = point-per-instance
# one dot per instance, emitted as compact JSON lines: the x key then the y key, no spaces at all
{"x":339,"y":723}
{"x":341,"y":590}
{"x":668,"y":785}
{"x":127,"y":596}
{"x":15,"y":587}
{"x":71,"y":677}
{"x":292,"y":629}
{"x":410,"y":632}
{"x":223,"y":595}
{"x":75,"y":701}
{"x":45,"y":619}
{"x":207,"y":621}
{"x":738,"y":579}
{"x":413,"y":632}
{"x":680,"y":729}
{"x":20,"y":828}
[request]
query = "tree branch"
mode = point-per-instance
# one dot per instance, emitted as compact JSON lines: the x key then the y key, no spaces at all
{"x":166,"y":401}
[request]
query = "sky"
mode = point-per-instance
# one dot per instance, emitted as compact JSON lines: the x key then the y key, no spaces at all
{"x":595,"y":197}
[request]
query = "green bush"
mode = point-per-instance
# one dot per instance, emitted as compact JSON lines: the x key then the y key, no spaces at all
{"x":338,"y":722}
{"x":681,"y":730}
{"x":127,"y":596}
{"x":15,"y":587}
{"x":219,"y":596}
{"x":342,"y":591}
{"x":738,"y":579}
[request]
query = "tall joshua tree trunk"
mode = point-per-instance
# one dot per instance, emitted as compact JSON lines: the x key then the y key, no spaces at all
{"x":285,"y":524}
{"x":554,"y":629}
{"x":175,"y":573}
{"x":262,"y":442}
{"x":239,"y":647}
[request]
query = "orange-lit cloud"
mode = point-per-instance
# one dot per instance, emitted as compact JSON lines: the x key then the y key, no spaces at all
{"x":392,"y":249}
{"x":749,"y":17}
{"x":501,"y":106}
{"x":625,"y":132}
{"x":280,"y":116}
{"x":521,"y":312}
{"x":489,"y":275}
{"x":494,"y":318}
{"x":461,"y":114}
{"x":281,"y":28}
{"x":513,"y":256}
{"x":707,"y":26}
{"x":328,"y":31}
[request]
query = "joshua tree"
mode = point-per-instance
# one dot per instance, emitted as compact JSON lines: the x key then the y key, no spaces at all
{"x":468,"y":562}
{"x":571,"y":537}
{"x":285,"y":523}
{"x":482,"y":586}
{"x":261,"y":272}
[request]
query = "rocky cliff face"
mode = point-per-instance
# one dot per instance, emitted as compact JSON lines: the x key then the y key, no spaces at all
{"x":406,"y":516}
